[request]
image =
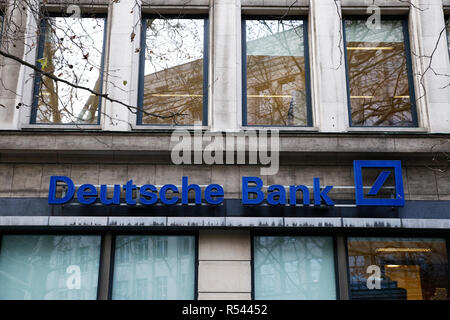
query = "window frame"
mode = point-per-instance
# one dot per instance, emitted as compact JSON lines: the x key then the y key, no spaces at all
{"x":194,"y":234}
{"x":141,"y":73}
{"x":409,"y":68}
{"x":309,"y":111}
{"x":38,"y":77}
{"x":402,"y":234}
{"x":281,"y":233}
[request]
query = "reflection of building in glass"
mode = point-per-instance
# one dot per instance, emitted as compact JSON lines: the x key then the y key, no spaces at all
{"x":276,"y":75}
{"x":378,"y":75}
{"x":294,"y":268}
{"x":35,"y":267}
{"x":177,"y":90}
{"x":158,"y":267}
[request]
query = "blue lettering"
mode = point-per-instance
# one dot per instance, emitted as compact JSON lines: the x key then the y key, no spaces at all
{"x":163,"y":191}
{"x":87,"y":190}
{"x":148,"y":190}
{"x":319,"y":195}
{"x":104,"y":195}
{"x":128,"y":188}
{"x":277,"y":195}
{"x":185,"y":192}
{"x":246,"y":190}
{"x":210,"y":193}
{"x":293,"y":195}
{"x":52,"y":190}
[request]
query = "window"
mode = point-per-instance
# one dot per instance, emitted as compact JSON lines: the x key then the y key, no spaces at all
{"x":173,"y":79}
{"x":276,"y":72}
{"x":398,"y":268}
{"x":163,"y":275}
{"x":70,"y":49}
{"x":379,"y":74}
{"x":38,"y":267}
{"x":297,"y":268}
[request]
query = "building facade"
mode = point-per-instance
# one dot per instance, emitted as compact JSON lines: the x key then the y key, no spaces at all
{"x":355,"y":99}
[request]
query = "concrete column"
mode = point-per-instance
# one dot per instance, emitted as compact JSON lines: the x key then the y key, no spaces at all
{"x":429,"y":46}
{"x":328,"y":62}
{"x":16,"y":40}
{"x":224,"y":270}
{"x":121,"y":82}
{"x":225,"y":80}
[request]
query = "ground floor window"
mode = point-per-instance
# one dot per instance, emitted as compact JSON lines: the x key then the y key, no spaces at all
{"x":300,"y":268}
{"x":154,"y":267}
{"x":398,"y":268}
{"x":53,"y":267}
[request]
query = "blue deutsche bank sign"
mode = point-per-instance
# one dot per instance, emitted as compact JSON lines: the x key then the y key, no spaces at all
{"x":253,"y":191}
{"x":396,"y":169}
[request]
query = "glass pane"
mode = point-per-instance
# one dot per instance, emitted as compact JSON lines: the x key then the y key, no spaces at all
{"x":294,"y":268}
{"x":398,"y":268}
{"x":276,"y":86}
{"x":154,"y":268}
{"x":173,"y":74}
{"x":378,"y":75}
{"x":73,"y":52}
{"x":49,"y":267}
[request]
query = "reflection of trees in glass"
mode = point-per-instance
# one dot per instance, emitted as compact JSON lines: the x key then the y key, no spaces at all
{"x":294,"y":268}
{"x":72,"y":50}
{"x":157,"y":267}
{"x":276,"y":85}
{"x":173,"y":80}
{"x":378,"y":75}
{"x":430,"y":264}
{"x":34,"y":267}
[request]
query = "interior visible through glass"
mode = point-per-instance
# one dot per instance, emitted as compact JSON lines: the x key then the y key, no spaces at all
{"x":276,"y":85}
{"x":378,"y":74}
{"x":47,"y":267}
{"x":294,"y":268}
{"x":72,"y":51}
{"x":173,"y":73}
{"x":398,"y":268}
{"x":154,"y":268}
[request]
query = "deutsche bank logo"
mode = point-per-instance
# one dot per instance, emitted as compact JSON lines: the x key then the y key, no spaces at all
{"x":358,"y":167}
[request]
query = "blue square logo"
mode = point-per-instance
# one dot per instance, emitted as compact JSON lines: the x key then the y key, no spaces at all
{"x":359,"y":165}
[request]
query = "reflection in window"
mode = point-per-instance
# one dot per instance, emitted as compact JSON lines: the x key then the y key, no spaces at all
{"x":49,"y":267}
{"x":163,"y":274}
{"x":276,"y":73}
{"x":173,"y":73}
{"x":71,"y":49}
{"x":299,"y":268}
{"x":402,"y":268}
{"x":378,"y":67}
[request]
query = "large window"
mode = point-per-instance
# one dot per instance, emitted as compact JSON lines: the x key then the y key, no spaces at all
{"x":379,"y":74}
{"x":154,"y":268}
{"x":50,"y":267}
{"x":299,"y":268}
{"x":276,"y":72}
{"x":173,"y":81}
{"x":398,"y":268}
{"x":70,"y":49}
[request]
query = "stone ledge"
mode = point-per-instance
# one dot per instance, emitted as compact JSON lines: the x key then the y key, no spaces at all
{"x":224,"y":223}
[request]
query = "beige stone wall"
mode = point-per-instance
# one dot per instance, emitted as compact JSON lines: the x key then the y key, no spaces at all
{"x":31,"y":180}
{"x":224,"y":265}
